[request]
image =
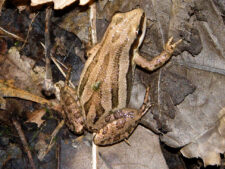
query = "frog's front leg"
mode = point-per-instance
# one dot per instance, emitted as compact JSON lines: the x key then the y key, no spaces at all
{"x":121,"y":124}
{"x":159,"y":60}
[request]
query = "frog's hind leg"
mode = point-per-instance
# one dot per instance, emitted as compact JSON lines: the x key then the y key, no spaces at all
{"x":72,"y":112}
{"x":121,"y":124}
{"x":159,"y":60}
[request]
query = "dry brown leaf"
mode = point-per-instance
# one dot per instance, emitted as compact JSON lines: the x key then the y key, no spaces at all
{"x":24,"y":64}
{"x":22,"y":70}
{"x":39,"y":2}
{"x":1,"y":4}
{"x":35,"y":117}
{"x":42,"y":144}
{"x":7,"y":89}
{"x":144,"y":152}
{"x":77,"y":22}
{"x":209,"y":145}
{"x":58,"y":4}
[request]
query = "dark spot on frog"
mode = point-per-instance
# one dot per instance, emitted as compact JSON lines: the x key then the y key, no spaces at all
{"x":156,"y":65}
{"x":118,"y":19}
{"x":96,"y":86}
{"x":116,"y":138}
{"x":107,"y":118}
{"x":90,"y":128}
{"x":117,"y":114}
{"x":105,"y":129}
{"x":115,"y":37}
{"x":77,"y":114}
{"x":120,"y":123}
{"x":69,"y":101}
{"x":102,"y":142}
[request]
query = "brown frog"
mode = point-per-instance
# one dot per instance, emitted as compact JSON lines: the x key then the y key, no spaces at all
{"x":100,"y":102}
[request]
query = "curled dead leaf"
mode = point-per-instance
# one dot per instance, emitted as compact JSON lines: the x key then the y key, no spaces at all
{"x":7,"y":89}
{"x":35,"y":117}
{"x":209,"y":145}
{"x":221,"y":128}
{"x":58,"y":4}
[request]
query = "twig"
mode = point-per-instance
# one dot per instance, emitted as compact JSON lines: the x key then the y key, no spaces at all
{"x":57,"y":156}
{"x":9,"y":90}
{"x":94,"y":41}
{"x":52,"y":142}
{"x":94,"y":155}
{"x":29,"y":29}
{"x":55,"y":132}
{"x":12,"y":35}
{"x":58,"y":63}
{"x":105,"y":161}
{"x":93,"y":23}
{"x":48,"y":83}
{"x":24,"y":142}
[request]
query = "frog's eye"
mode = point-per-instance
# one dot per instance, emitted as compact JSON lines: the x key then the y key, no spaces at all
{"x":139,"y":32}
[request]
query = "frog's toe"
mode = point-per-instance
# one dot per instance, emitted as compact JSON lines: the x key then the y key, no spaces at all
{"x":169,"y":41}
{"x":169,"y":47}
{"x":176,"y":43}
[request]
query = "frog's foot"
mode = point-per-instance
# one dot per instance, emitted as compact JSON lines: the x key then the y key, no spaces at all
{"x":169,"y":47}
{"x":159,"y":60}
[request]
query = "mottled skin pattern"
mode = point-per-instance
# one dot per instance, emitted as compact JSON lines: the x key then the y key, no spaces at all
{"x":106,"y":80}
{"x":71,"y":107}
{"x":121,"y":123}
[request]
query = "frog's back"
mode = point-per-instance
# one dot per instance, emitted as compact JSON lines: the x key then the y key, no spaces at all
{"x":103,"y":85}
{"x":104,"y":82}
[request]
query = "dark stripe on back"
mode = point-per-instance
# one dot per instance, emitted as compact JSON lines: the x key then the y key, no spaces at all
{"x":115,"y":77}
{"x":96,"y":96}
{"x":87,"y":73}
{"x":91,"y":66}
{"x":101,"y":78}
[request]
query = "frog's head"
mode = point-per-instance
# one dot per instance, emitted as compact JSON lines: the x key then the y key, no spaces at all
{"x":129,"y":26}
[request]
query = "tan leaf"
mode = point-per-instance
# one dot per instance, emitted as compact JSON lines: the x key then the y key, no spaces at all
{"x":35,"y":117}
{"x":7,"y":89}
{"x":144,"y":152}
{"x":58,"y":4}
{"x":1,"y":4}
{"x":209,"y":145}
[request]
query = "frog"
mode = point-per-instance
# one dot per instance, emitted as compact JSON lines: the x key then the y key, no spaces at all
{"x":99,"y":103}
